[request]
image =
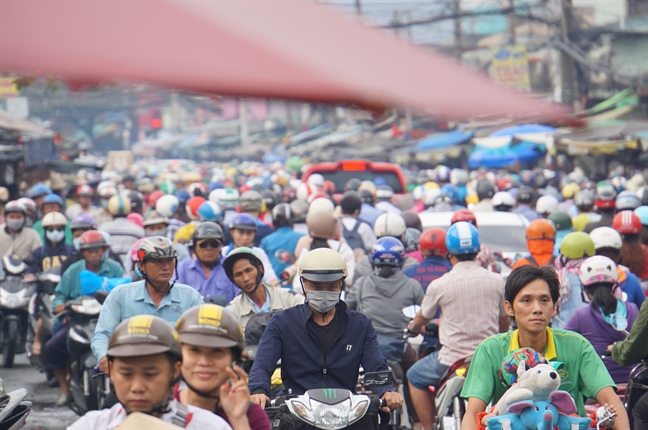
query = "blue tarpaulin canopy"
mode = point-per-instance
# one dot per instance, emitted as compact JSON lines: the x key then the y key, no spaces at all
{"x":443,"y":140}
{"x":523,"y":129}
{"x":524,"y":152}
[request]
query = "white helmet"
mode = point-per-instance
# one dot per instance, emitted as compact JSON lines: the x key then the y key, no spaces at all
{"x":598,"y":269}
{"x":321,"y":205}
{"x":227,"y":197}
{"x":503,"y":198}
{"x":389,"y":225}
{"x":323,"y":265}
{"x":430,"y":195}
{"x":4,"y":194}
{"x":167,"y":205}
{"x":316,"y":179}
{"x":606,"y":237}
{"x":197,"y":189}
{"x":418,"y":192}
{"x":54,"y":218}
{"x":304,"y":190}
{"x":458,"y":177}
{"x":546,"y":204}
{"x":107,"y":191}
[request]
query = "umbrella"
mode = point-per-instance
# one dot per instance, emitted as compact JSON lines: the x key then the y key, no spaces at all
{"x":536,"y":133}
{"x":443,"y":140}
{"x":523,"y":152}
{"x":523,"y":129}
{"x":296,"y":50}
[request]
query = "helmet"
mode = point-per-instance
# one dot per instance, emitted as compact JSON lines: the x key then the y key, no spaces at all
{"x":299,"y":210}
{"x":107,"y":192}
{"x":288,"y":195}
{"x":182,"y":195}
{"x":210,"y":211}
{"x":433,"y":242}
{"x":389,"y":224}
{"x":155,"y":197}
{"x":323,"y":265}
{"x":85,"y":190}
{"x":485,"y":189}
{"x":243,"y":222}
{"x":540,"y":180}
{"x":119,"y":205}
{"x":198,"y":189}
{"x":462,"y":238}
{"x":321,"y":205}
{"x":642,"y":214}
{"x":384,"y":192}
{"x":458,"y":177}
{"x":412,"y":220}
{"x":83,"y":221}
{"x":418,"y":192}
{"x":411,"y":239}
{"x":526,"y":195}
{"x":39,"y":190}
{"x":464,"y":215}
{"x":270,"y":197}
{"x":352,"y":184}
{"x":642,"y":193}
{"x":527,"y":177}
{"x":156,"y":247}
{"x":388,"y":251}
{"x":452,"y":191}
{"x":53,"y":199}
{"x":168,"y":187}
{"x":133,"y":250}
{"x":577,"y":245}
{"x":281,"y":214}
{"x":28,"y":204}
{"x":4,"y":194}
{"x":561,"y":220}
{"x":598,"y":269}
{"x":243,"y":252}
{"x":619,"y":183}
{"x":366,"y":196}
{"x":503,"y":199}
{"x":321,"y":225}
{"x":212,"y":326}
{"x":153,"y":218}
{"x":627,"y":200}
{"x":228,"y":197}
{"x":145,"y":185}
{"x":626,"y":222}
{"x":167,"y":205}
{"x":136,"y":199}
{"x":541,"y":229}
{"x":54,"y":218}
{"x":192,"y":206}
{"x":93,"y":239}
{"x":250,"y":201}
{"x":443,"y":173}
{"x":15,"y":206}
{"x":570,"y":190}
{"x":606,"y":237}
{"x":304,"y":190}
{"x":584,"y":198}
{"x":546,"y":205}
{"x":207,"y":230}
{"x":605,"y":195}
{"x":144,"y":335}
{"x":316,"y":179}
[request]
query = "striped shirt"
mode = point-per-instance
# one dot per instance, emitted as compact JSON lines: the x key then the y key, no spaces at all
{"x":471,"y":300}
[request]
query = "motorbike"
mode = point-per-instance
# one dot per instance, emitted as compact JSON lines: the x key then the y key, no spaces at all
{"x":14,"y":409}
{"x":332,"y":408}
{"x":15,"y":295}
{"x":88,"y":390}
{"x":40,"y":308}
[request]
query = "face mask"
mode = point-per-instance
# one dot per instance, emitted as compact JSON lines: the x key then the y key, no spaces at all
{"x":55,"y":236}
{"x":76,"y":242}
{"x":322,"y":301}
{"x":15,"y":224}
{"x":162,"y":233}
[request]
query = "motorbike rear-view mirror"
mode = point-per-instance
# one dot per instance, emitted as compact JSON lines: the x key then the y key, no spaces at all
{"x":619,"y":322}
{"x":411,"y":311}
{"x":377,"y":379}
{"x":101,"y":296}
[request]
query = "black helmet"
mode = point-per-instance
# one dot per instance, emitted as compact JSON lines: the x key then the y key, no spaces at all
{"x":271,"y":198}
{"x":352,"y":184}
{"x":207,"y":230}
{"x":485,"y":189}
{"x":526,"y":195}
{"x":136,"y":200}
{"x":282,"y":215}
{"x":367,"y":197}
{"x":299,"y":209}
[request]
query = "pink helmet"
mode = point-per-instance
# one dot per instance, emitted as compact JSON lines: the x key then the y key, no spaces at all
{"x":133,"y":251}
{"x":135,"y":218}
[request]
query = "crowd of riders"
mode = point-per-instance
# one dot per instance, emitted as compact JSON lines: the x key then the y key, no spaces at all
{"x":332,"y":269}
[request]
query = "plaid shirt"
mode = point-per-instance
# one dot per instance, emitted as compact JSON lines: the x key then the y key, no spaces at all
{"x":174,"y":225}
{"x":471,"y":300}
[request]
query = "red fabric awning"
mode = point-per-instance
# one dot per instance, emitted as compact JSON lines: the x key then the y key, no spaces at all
{"x":296,"y":50}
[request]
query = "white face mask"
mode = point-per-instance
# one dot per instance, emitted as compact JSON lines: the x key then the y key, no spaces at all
{"x":15,"y":224}
{"x":55,"y":236}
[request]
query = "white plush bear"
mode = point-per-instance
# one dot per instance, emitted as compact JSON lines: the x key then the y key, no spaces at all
{"x":534,"y":384}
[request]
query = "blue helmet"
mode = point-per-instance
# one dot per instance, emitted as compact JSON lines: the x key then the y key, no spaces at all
{"x":462,"y":238}
{"x":388,"y":251}
{"x":39,"y":190}
{"x":243,"y":222}
{"x":53,"y":198}
{"x":182,"y":195}
{"x":452,"y":191}
{"x":210,"y":211}
{"x":642,"y":213}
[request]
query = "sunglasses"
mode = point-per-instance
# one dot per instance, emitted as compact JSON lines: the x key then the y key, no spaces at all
{"x":55,"y":229}
{"x":209,"y":243}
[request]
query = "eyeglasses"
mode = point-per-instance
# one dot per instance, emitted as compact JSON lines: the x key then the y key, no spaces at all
{"x":209,"y":243}
{"x":55,"y":228}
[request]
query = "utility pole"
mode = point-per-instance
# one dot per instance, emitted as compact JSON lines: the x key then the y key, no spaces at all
{"x":457,"y":29}
{"x":358,"y":6}
{"x":567,"y":62}
{"x":243,"y":121}
{"x":511,"y":22}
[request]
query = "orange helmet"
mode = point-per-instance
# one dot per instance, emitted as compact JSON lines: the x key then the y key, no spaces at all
{"x":433,"y":242}
{"x":464,"y":215}
{"x":541,"y":229}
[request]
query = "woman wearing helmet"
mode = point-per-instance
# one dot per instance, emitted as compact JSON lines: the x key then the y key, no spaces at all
{"x":145,"y":361}
{"x":599,"y":277}
{"x":540,"y":239}
{"x":575,"y":248}
{"x":320,"y":343}
{"x":435,"y":263}
{"x":15,"y":236}
{"x":212,"y":342}
{"x":633,"y":252}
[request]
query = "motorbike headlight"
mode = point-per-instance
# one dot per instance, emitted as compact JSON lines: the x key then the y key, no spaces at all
{"x":358,"y":411}
{"x":303,"y":412}
{"x":11,"y":300}
{"x":332,"y":417}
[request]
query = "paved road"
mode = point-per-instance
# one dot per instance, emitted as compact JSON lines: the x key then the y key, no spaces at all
{"x":44,"y":414}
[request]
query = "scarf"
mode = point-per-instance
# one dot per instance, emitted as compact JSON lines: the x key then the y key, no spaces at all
{"x":564,"y":269}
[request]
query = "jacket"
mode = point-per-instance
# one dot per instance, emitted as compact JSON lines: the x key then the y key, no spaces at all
{"x":280,"y":299}
{"x":48,"y":256}
{"x":635,"y":347}
{"x":22,"y":243}
{"x":292,"y":337}
{"x":431,"y":268}
{"x":363,"y":267}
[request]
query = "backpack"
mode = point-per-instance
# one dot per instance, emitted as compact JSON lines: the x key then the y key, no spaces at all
{"x":352,"y":237}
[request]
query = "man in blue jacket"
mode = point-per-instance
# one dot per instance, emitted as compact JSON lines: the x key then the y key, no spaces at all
{"x":325,"y":344}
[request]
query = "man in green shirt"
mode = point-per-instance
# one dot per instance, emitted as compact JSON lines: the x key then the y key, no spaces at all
{"x":530,"y":296}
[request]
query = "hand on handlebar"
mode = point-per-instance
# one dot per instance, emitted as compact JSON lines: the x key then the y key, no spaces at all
{"x":260,"y":399}
{"x":59,"y":308}
{"x":103,"y":365}
{"x":392,"y":400}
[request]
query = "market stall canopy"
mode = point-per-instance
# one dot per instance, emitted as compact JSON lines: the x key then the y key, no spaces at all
{"x":294,"y":50}
{"x":443,"y":140}
{"x":13,"y":123}
{"x":523,"y":152}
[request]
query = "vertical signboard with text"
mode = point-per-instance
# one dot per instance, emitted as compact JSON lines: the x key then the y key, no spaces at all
{"x":510,"y":67}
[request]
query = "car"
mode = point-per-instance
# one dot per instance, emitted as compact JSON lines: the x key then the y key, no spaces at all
{"x":503,"y":232}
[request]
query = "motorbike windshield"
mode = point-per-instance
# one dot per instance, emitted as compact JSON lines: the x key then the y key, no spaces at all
{"x":12,"y":284}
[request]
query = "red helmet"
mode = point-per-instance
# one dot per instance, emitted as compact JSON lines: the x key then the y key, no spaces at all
{"x":626,"y":222}
{"x":464,"y":215}
{"x":433,"y":242}
{"x":154,"y":197}
{"x":193,"y":204}
{"x":92,"y":239}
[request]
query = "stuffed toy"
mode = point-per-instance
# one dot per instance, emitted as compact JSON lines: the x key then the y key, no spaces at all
{"x":535,"y":384}
{"x":541,"y":415}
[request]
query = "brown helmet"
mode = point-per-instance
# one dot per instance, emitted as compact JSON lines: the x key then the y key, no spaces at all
{"x":144,"y":335}
{"x":321,"y":225}
{"x":210,"y":325}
